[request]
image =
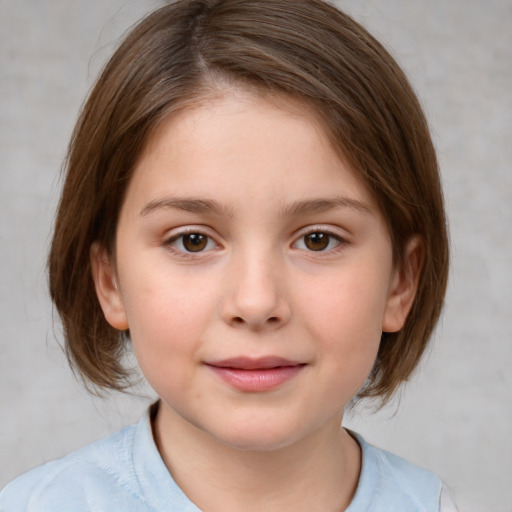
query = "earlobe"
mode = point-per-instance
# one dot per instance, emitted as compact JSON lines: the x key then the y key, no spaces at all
{"x":107,"y":290}
{"x":403,"y":286}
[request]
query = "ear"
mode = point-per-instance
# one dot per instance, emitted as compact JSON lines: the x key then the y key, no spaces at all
{"x":403,"y":286}
{"x":107,"y":290}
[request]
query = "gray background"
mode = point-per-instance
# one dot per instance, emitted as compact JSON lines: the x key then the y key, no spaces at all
{"x":455,"y":416}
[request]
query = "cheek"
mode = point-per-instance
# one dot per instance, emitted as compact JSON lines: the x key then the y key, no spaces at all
{"x":346,"y":322}
{"x":167,"y":318}
{"x":350,"y":312}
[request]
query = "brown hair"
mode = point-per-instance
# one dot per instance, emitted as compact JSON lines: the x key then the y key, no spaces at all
{"x":306,"y":49}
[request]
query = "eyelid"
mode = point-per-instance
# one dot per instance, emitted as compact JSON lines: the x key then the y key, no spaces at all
{"x":329,"y":231}
{"x":178,"y":233}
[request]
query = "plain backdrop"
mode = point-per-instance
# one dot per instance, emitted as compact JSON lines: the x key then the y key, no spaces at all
{"x":455,"y":416}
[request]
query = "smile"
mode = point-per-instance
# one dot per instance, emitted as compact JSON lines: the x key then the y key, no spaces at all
{"x":256,"y":375}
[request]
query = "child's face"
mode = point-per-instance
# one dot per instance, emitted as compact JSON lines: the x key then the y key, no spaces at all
{"x":244,"y":241}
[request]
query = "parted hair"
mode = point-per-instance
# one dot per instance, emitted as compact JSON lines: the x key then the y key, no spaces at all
{"x":305,"y":49}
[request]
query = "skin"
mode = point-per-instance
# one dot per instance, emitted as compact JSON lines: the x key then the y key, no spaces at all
{"x":255,"y":289}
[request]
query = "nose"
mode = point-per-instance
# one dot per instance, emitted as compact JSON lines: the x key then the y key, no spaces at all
{"x":256,"y":294}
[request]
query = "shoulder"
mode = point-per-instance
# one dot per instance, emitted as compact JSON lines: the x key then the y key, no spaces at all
{"x":78,"y":481}
{"x":390,"y":483}
{"x":411,"y":479}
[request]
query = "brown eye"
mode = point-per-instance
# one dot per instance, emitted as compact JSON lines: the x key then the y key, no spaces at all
{"x":191,"y":242}
{"x":195,"y":242}
{"x":317,"y":241}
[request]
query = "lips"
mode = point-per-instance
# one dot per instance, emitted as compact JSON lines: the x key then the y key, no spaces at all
{"x":256,"y":375}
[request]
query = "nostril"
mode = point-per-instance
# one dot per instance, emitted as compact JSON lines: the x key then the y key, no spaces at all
{"x":238,"y":320}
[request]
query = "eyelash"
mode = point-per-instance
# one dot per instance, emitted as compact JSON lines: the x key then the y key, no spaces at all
{"x":193,"y":231}
{"x":183,"y":252}
{"x":330,"y":236}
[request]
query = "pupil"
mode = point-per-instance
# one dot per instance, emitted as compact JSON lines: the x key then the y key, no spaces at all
{"x":194,"y":242}
{"x":317,"y":241}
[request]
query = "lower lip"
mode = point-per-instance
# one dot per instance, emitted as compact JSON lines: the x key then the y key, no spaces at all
{"x":259,"y":379}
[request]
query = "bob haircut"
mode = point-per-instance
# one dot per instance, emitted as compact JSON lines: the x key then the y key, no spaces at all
{"x":184,"y":53}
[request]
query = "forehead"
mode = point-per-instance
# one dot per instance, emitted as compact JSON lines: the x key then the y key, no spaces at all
{"x":246,"y":152}
{"x":236,"y":134}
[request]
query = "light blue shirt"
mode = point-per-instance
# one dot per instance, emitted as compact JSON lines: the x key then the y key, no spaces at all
{"x":125,"y":473}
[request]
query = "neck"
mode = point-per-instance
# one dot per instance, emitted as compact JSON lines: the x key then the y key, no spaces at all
{"x":318,"y":472}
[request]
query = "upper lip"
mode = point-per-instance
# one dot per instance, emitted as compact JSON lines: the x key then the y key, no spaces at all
{"x":250,"y":363}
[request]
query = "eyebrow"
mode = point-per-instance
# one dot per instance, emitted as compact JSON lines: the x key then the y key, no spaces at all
{"x":187,"y":204}
{"x":324,"y":204}
{"x":308,"y":206}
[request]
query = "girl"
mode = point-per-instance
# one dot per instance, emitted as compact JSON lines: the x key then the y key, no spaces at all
{"x":252,"y":202}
